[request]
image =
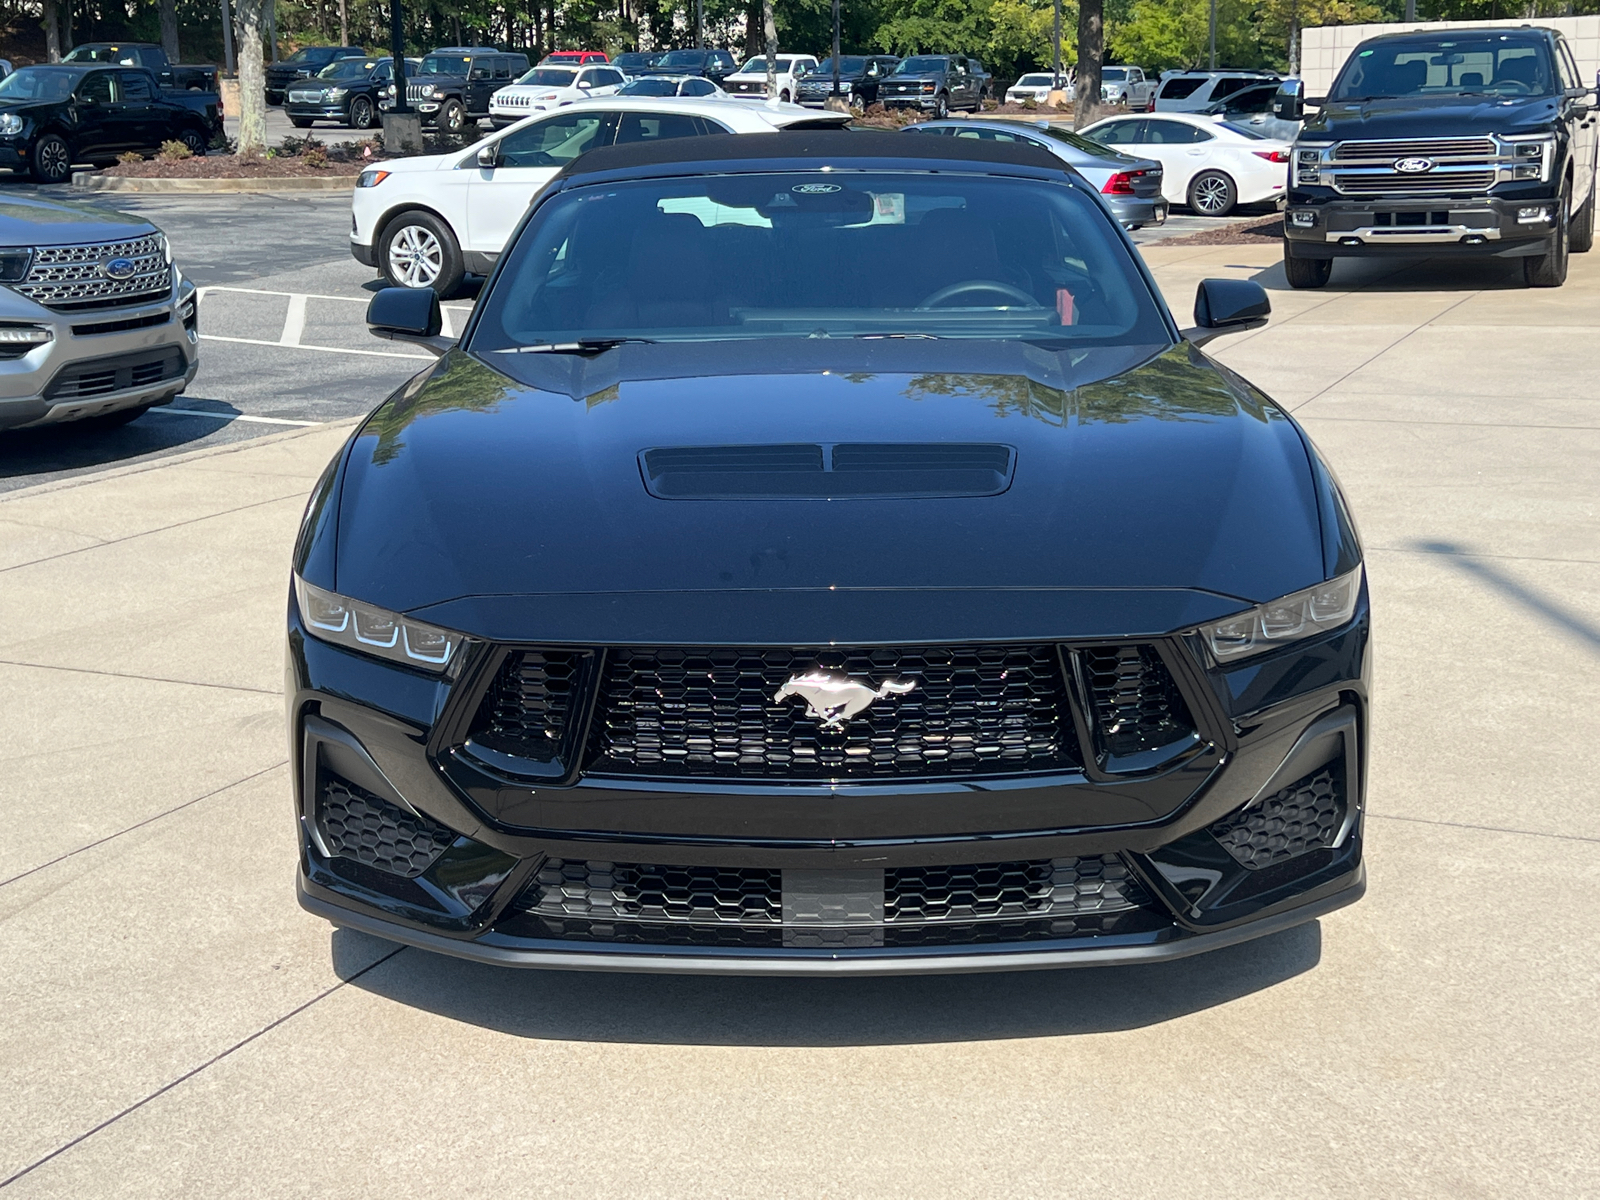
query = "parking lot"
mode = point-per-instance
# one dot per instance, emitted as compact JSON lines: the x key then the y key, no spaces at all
{"x":174,"y":1025}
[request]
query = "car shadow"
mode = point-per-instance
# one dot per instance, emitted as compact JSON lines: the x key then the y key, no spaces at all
{"x":75,"y":445}
{"x":806,"y":1012}
{"x":1407,"y":275}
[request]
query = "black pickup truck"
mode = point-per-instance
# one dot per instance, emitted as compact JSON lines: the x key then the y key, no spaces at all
{"x":1444,"y":142}
{"x":54,"y":116}
{"x":936,"y":83}
{"x":188,"y":76}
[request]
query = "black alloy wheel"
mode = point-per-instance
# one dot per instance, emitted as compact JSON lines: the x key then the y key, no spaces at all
{"x":1580,"y":237}
{"x":1212,"y":194}
{"x":361,"y":113}
{"x":1550,"y":270}
{"x":452,"y":117}
{"x":52,"y":159}
{"x":1305,"y":272}
{"x":196,"y":141}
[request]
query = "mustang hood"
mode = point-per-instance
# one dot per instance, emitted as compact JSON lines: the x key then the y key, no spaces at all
{"x":1147,"y":490}
{"x":1443,"y":117}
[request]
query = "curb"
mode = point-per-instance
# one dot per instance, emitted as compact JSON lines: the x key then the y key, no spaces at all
{"x":88,"y":181}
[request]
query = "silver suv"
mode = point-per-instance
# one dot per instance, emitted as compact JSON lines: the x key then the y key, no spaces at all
{"x":96,"y":321}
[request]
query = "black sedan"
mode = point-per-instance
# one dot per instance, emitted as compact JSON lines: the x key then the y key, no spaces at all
{"x":939,"y":607}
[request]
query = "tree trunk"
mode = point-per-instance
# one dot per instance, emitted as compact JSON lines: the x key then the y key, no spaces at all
{"x":344,"y":22}
{"x":252,"y":78}
{"x":52,"y":30}
{"x":169,"y":28}
{"x":1091,"y":50}
{"x":752,"y":28}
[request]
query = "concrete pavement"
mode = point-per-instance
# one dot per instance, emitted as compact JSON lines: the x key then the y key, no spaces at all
{"x":172,"y":1025}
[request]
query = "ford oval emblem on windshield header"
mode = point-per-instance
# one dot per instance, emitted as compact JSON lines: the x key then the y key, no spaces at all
{"x":1414,"y":166}
{"x":816,"y":189}
{"x":118,"y":268}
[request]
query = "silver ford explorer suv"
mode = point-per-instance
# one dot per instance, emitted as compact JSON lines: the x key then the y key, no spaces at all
{"x":96,"y":321}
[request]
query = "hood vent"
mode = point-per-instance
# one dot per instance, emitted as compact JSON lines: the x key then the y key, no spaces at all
{"x":847,"y":471}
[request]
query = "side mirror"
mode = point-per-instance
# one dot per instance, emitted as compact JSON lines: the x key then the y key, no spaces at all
{"x":1224,"y":306}
{"x":489,"y":156}
{"x":399,"y":314}
{"x":584,"y":84}
{"x":1290,"y":102}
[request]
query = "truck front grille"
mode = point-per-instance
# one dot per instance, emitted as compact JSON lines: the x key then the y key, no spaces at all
{"x":73,"y":278}
{"x":1434,"y":148}
{"x":1436,"y":183}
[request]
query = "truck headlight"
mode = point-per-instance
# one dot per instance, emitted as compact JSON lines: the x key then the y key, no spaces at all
{"x":371,"y":630}
{"x":1293,"y":618}
{"x":1532,"y":156}
{"x":1308,"y":166}
{"x":10,"y":123}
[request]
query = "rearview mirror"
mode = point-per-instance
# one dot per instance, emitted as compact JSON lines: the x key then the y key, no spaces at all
{"x":1226,"y":306}
{"x":400,"y":314}
{"x":489,"y":156}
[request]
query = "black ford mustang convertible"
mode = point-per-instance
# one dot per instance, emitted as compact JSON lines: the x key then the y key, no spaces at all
{"x":824,"y":553}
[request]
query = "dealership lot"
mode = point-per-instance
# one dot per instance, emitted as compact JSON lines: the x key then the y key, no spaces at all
{"x":174,"y":1025}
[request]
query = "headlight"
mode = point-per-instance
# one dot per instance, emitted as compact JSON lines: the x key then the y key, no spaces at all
{"x":166,"y":248}
{"x":371,"y":178}
{"x":10,"y":123}
{"x":1297,"y":616}
{"x":25,"y":336}
{"x":1533,"y":157}
{"x":427,"y":89}
{"x":374,"y":631}
{"x":1308,"y":166}
{"x":337,"y":93}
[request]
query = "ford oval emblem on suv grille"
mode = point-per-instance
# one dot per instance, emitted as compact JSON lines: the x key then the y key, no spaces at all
{"x":1413,"y":166}
{"x":118,"y":268}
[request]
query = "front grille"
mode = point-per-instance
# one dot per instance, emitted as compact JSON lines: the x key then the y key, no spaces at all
{"x":933,"y":711}
{"x":356,"y":824}
{"x":103,"y":376}
{"x":123,"y":326}
{"x":71,"y":278}
{"x":1434,"y":183}
{"x":1434,"y":148}
{"x":642,"y":892}
{"x":527,"y":708}
{"x":1304,"y":816}
{"x":304,"y":97}
{"x":1137,"y":703}
{"x":1045,"y":887}
{"x":512,"y":101}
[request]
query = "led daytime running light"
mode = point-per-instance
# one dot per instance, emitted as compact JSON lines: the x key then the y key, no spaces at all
{"x":372,"y":630}
{"x":1295,"y":617}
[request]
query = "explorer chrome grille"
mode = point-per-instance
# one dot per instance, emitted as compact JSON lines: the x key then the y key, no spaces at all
{"x":71,"y":278}
{"x":715,"y":713}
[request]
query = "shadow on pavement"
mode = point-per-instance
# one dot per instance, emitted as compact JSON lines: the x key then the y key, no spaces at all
{"x":1485,"y":572}
{"x":742,"y":1011}
{"x":74,"y":445}
{"x":1407,"y":275}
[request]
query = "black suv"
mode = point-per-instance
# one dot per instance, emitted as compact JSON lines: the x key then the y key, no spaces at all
{"x":859,"y":78}
{"x":1448,"y":141}
{"x":346,"y":91}
{"x":715,"y":65}
{"x":302,"y":64}
{"x":454,"y":83}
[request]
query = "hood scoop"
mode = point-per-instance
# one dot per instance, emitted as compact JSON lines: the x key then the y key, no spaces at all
{"x":842,"y":471}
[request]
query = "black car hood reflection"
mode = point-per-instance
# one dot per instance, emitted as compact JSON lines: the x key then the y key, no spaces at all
{"x":1445,"y":117}
{"x":1151,"y":490}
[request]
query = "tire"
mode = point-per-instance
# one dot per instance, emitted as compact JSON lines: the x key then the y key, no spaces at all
{"x":857,"y":104}
{"x":1580,"y":237}
{"x":1212,"y":194}
{"x":1550,"y":270}
{"x":941,"y":107}
{"x":301,"y":122}
{"x":361,"y":113}
{"x":452,"y":117}
{"x":52,"y":159}
{"x":784,"y":96}
{"x":197,"y":142}
{"x":1306,"y":272}
{"x":417,"y":250}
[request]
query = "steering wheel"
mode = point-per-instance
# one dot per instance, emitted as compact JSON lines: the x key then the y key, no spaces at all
{"x":1522,"y":89}
{"x":977,"y":285}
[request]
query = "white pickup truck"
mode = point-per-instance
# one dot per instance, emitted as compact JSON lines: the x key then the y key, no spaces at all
{"x":1126,"y":87}
{"x":751,"y":79}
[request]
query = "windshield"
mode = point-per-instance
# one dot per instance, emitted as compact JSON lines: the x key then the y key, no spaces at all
{"x":1113,"y":75}
{"x":848,"y":65}
{"x":1448,"y":64}
{"x":683,"y":58}
{"x":38,"y":83}
{"x":649,"y":87}
{"x":1035,"y":81}
{"x":550,"y":77}
{"x":445,"y":64}
{"x":922,"y":65}
{"x":105,"y":54}
{"x":758,"y":66}
{"x":347,"y":68}
{"x":886,"y":253}
{"x":634,"y":59}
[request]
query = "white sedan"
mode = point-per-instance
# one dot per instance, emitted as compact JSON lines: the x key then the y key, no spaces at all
{"x":425,"y":222}
{"x":544,"y":88}
{"x":1211,"y":166}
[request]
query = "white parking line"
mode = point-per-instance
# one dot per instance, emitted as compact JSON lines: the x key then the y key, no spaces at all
{"x":227,"y":416}
{"x":217,"y":337}
{"x":294,"y":322}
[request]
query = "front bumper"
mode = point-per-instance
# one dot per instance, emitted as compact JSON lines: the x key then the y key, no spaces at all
{"x":329,"y":111}
{"x":1321,"y":224}
{"x":929,"y":101}
{"x":93,"y":368}
{"x":482,"y":855}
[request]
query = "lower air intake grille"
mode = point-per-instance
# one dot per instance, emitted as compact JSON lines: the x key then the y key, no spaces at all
{"x":932,"y":711}
{"x":103,"y":376}
{"x":526,"y":710}
{"x":356,"y":824}
{"x":1137,"y":705}
{"x":999,"y":891}
{"x":1304,"y":816}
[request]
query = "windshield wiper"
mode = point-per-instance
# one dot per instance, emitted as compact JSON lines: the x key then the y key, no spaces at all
{"x":932,"y":337}
{"x":581,"y":346}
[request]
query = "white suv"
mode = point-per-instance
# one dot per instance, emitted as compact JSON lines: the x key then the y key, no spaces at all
{"x":425,"y":222}
{"x":751,"y":79}
{"x":544,"y":88}
{"x":1190,"y":91}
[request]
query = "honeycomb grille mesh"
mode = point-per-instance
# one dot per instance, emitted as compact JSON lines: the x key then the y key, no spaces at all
{"x":713,"y":713}
{"x":1137,"y":704}
{"x":1304,"y":816}
{"x":641,"y":892}
{"x":527,"y":708}
{"x":356,"y":824}
{"x":1042,"y":887}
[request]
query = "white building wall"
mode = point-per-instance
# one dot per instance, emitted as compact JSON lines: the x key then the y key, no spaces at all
{"x":1323,"y":48}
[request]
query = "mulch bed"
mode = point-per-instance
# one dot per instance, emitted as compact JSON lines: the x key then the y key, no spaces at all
{"x":1244,"y":233}
{"x":231,"y":166}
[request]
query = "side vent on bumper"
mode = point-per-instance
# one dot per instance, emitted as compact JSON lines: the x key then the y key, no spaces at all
{"x":1307,"y":815}
{"x":358,"y":825}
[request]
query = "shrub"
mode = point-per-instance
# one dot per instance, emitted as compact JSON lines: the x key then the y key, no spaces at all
{"x":293,"y":147}
{"x":174,"y":152}
{"x":130,"y":156}
{"x":315,"y":157}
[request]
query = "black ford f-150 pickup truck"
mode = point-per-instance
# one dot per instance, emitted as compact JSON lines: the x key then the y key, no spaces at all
{"x":189,"y":76}
{"x":1445,"y":142}
{"x":54,"y":116}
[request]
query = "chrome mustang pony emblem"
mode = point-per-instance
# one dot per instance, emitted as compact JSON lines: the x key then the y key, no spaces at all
{"x":833,"y":698}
